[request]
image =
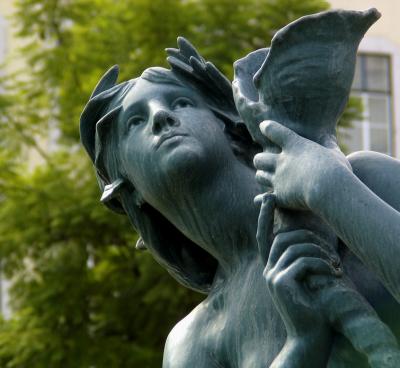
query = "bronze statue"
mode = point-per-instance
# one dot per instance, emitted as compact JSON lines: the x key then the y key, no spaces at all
{"x":173,"y":153}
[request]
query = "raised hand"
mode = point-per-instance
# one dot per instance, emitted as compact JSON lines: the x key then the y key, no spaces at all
{"x":299,"y":173}
{"x":297,"y":269}
{"x":311,"y":295}
{"x":294,"y":257}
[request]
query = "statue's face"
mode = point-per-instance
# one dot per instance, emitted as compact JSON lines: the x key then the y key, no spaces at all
{"x":167,"y":136}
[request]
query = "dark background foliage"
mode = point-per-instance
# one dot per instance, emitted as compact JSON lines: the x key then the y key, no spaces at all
{"x":82,"y":295}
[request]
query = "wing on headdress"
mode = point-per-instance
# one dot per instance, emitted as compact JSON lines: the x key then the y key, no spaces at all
{"x":108,"y":80}
{"x":93,"y":118}
{"x":190,"y":65}
{"x":93,"y":109}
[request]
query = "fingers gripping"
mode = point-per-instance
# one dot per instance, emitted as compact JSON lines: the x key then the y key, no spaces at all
{"x":305,"y":266}
{"x":265,"y":225}
{"x":278,"y":282}
{"x":265,"y":161}
{"x":264,"y":179}
{"x":277,"y":133}
{"x":297,"y":251}
{"x":294,"y":264}
{"x":283,"y":240}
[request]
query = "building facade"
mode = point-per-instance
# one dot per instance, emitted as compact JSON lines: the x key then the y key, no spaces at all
{"x":377,"y":80}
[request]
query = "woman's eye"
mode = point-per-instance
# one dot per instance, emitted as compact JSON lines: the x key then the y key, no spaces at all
{"x":182,"y":102}
{"x":134,"y":121}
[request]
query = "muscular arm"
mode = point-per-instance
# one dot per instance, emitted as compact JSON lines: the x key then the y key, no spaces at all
{"x":380,"y":173}
{"x":308,"y":176}
{"x":362,"y":210}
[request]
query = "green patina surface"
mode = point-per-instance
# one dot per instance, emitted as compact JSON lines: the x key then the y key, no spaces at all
{"x":173,"y":150}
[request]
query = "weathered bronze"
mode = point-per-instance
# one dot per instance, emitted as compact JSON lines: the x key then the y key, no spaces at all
{"x":308,"y":280}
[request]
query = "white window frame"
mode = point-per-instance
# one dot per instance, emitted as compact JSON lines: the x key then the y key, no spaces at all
{"x":379,"y":45}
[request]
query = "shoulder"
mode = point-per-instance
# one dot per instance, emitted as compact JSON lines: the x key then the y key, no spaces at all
{"x":380,"y":173}
{"x":364,"y":161}
{"x":184,"y":347}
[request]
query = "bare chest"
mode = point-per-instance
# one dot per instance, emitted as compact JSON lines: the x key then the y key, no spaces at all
{"x":240,"y":328}
{"x":237,"y":328}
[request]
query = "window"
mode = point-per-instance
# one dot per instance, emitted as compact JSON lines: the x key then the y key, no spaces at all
{"x":372,"y":83}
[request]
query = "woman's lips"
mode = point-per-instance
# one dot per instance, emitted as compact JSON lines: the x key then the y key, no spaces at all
{"x":167,"y":137}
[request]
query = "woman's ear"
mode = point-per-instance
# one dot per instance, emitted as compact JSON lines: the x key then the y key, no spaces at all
{"x":140,"y":244}
{"x":114,"y":189}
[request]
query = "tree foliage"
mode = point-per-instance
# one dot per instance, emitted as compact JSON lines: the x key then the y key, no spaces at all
{"x":82,"y":295}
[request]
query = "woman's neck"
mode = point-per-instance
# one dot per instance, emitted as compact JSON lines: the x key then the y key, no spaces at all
{"x":219,"y":215}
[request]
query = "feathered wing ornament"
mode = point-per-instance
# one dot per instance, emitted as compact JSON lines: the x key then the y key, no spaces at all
{"x":217,"y":92}
{"x":189,"y":65}
{"x":94,"y":123}
{"x":94,"y":108}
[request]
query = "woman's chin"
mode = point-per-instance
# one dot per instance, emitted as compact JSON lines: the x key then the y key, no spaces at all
{"x":185,"y":162}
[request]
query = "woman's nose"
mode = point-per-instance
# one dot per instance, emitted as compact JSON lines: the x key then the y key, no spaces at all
{"x":163,"y":119}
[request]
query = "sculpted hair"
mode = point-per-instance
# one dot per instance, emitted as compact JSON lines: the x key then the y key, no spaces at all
{"x":188,"y":69}
{"x":184,"y":260}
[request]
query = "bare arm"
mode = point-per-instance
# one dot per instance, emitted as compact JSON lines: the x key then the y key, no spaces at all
{"x":308,"y":176}
{"x":366,"y":223}
{"x":293,"y":263}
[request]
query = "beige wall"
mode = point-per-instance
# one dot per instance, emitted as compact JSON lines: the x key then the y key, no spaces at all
{"x":388,"y":26}
{"x":14,"y":62}
{"x":6,"y":7}
{"x":6,"y":10}
{"x":383,"y":38}
{"x":8,"y":40}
